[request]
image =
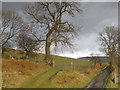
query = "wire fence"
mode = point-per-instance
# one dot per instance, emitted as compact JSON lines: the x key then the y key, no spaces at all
{"x":72,"y":66}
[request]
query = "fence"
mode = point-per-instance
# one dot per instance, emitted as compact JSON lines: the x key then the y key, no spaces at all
{"x":72,"y":66}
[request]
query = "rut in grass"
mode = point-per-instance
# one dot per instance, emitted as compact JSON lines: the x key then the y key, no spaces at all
{"x":54,"y":75}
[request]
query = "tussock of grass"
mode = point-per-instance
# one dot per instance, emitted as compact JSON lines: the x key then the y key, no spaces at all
{"x":72,"y":79}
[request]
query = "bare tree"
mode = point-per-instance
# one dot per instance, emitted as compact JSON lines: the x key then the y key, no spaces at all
{"x":98,"y":59}
{"x":11,"y":24}
{"x":93,"y":58}
{"x":27,"y":43}
{"x":52,"y":23}
{"x":109,"y":44}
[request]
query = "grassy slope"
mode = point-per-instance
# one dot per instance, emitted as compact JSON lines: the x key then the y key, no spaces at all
{"x":60,"y":62}
{"x":63,"y":79}
{"x":40,"y":77}
{"x":110,"y":83}
{"x":25,"y":74}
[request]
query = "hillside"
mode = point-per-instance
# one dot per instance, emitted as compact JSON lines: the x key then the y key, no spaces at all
{"x":60,"y":62}
{"x":27,"y":74}
{"x":20,"y":73}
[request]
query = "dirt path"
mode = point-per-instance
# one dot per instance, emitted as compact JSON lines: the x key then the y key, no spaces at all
{"x":100,"y":80}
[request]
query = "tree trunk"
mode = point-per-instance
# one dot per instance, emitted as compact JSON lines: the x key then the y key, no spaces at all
{"x":48,"y":59}
{"x":26,"y":55}
{"x":115,"y":76}
{"x":47,"y":52}
{"x":3,"y":50}
{"x":100,"y":63}
{"x":110,"y":61}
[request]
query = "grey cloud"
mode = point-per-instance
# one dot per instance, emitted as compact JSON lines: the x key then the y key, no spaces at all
{"x":94,"y":18}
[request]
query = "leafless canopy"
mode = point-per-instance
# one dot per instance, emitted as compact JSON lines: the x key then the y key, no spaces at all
{"x":53,"y":27}
{"x":27,"y":43}
{"x":109,"y":40}
{"x":109,"y":43}
{"x":49,"y":15}
{"x":11,"y":24}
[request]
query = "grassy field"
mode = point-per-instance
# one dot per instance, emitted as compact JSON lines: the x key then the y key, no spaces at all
{"x":56,"y":78}
{"x":60,"y":62}
{"x":20,"y":73}
{"x":26,"y":74}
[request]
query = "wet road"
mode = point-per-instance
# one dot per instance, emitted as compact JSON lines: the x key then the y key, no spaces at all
{"x":100,"y":80}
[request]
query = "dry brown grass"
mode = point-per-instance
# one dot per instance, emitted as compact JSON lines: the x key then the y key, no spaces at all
{"x":72,"y":79}
{"x":105,"y":64}
{"x":95,"y":70}
{"x":0,"y":66}
{"x":15,"y":72}
{"x":67,"y":78}
{"x":19,"y":66}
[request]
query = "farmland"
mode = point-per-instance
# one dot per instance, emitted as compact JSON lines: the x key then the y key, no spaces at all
{"x":33,"y":73}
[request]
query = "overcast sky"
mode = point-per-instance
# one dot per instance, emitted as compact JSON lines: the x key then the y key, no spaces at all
{"x":94,"y":18}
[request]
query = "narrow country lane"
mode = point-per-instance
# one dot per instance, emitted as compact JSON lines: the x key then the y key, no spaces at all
{"x":100,"y":80}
